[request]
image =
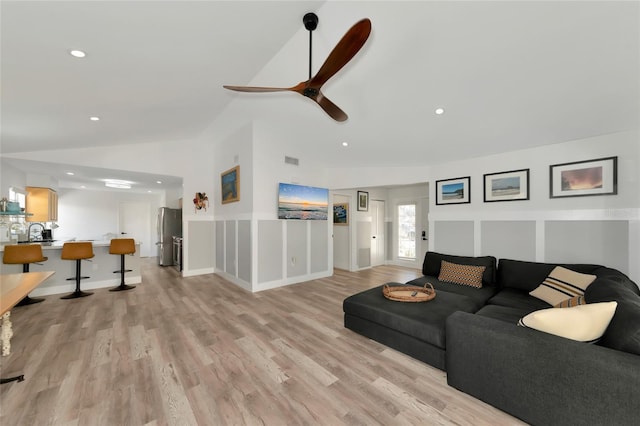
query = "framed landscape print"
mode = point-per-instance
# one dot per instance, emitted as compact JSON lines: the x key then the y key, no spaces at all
{"x":230,"y":185}
{"x":506,"y":186}
{"x":341,"y":214}
{"x":363,"y":201}
{"x":584,"y":178}
{"x":453,"y":191}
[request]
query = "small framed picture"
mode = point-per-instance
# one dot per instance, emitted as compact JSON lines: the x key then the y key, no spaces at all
{"x":506,"y":186}
{"x":341,"y":214}
{"x":363,"y":201}
{"x":584,"y":178}
{"x":230,"y":185}
{"x":453,"y":191}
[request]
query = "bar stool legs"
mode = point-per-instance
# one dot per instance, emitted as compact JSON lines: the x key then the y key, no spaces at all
{"x":77,"y":293}
{"x":28,"y":300}
{"x":122,"y":271}
{"x":122,"y":246}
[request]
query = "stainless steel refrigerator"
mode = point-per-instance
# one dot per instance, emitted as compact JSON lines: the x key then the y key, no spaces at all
{"x":169,"y":226}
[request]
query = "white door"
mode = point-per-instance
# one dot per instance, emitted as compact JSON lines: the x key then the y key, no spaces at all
{"x":134,"y":222}
{"x":377,"y":233}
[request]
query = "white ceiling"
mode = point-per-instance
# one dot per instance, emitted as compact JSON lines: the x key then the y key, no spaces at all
{"x":510,"y":75}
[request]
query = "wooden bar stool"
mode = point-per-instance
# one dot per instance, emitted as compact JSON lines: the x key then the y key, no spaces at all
{"x":24,"y":254}
{"x":122,"y":246}
{"x":77,"y":251}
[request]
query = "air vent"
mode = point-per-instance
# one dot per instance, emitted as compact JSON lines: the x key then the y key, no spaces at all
{"x":291,"y":160}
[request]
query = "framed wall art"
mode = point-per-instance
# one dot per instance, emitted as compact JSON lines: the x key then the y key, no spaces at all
{"x":302,"y":202}
{"x":506,"y":186}
{"x":363,"y":201}
{"x":453,"y":191}
{"x":230,"y":185}
{"x":341,"y":214}
{"x":584,"y":178}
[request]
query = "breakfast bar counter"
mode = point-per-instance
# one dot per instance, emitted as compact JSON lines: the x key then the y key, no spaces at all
{"x":100,"y":269}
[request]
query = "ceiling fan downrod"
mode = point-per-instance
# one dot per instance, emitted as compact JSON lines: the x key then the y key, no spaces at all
{"x":310,"y":21}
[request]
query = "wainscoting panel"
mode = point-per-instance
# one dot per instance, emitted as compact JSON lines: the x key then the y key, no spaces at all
{"x":201,"y":242}
{"x":390,"y":239}
{"x":319,"y":261}
{"x":454,"y":237}
{"x":230,"y":247}
{"x":220,"y":245}
{"x":603,"y":242}
{"x":244,"y":250}
{"x":363,"y":239}
{"x":509,"y":239}
{"x":296,"y":248}
{"x":269,"y":250}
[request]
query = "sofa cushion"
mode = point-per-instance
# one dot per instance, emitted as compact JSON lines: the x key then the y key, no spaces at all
{"x":424,"y":321}
{"x":584,"y":323}
{"x":562,"y":284}
{"x":461,"y":274}
{"x":433,"y":262}
{"x":479,"y":296}
{"x":503,"y":313}
{"x":518,"y":299}
{"x":623,"y":333}
{"x":528,"y":275}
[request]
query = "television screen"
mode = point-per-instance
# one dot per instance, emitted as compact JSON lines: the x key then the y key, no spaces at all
{"x":302,"y":202}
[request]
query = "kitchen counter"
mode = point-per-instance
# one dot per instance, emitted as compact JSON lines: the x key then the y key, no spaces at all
{"x":100,"y":269}
{"x":57,"y":244}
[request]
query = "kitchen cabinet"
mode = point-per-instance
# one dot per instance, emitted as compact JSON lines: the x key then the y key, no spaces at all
{"x":42,"y":203}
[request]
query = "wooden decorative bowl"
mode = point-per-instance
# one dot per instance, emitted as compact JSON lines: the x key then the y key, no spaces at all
{"x":409,"y":293}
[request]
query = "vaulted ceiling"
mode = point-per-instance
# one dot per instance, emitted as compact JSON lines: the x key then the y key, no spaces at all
{"x":509,"y":75}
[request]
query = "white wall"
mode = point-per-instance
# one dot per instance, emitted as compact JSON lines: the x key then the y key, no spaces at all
{"x":342,"y":234}
{"x":190,"y":159}
{"x":624,"y":206}
{"x":90,"y":215}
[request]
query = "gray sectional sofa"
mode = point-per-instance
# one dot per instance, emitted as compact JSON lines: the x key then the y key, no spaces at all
{"x":472,"y":333}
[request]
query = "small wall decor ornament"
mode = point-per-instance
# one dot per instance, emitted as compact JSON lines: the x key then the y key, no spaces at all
{"x":201,"y":201}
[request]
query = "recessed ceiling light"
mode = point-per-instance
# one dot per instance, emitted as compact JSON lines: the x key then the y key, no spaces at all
{"x":82,"y":186}
{"x":77,"y":53}
{"x":94,"y":118}
{"x":70,"y":173}
{"x":439,"y":111}
{"x":158,"y":181}
{"x":149,"y":191}
{"x":345,"y":143}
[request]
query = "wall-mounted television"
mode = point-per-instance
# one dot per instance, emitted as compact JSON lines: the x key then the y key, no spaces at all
{"x":302,"y":202}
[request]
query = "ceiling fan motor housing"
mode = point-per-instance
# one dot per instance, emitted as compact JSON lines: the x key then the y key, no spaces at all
{"x":310,"y":21}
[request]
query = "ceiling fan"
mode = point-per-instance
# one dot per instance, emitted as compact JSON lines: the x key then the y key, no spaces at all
{"x":341,"y":54}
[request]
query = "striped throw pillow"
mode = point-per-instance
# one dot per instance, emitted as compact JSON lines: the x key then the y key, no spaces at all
{"x":570,"y":303}
{"x":461,"y":274}
{"x":562,"y":284}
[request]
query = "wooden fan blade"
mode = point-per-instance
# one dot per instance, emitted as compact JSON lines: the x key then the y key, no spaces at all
{"x":330,"y":108}
{"x":257,"y":89}
{"x":344,"y":51}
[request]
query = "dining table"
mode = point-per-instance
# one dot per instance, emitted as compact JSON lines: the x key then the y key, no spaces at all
{"x":14,"y":287}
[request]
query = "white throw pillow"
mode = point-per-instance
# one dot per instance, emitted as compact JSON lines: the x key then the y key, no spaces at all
{"x":584,"y":323}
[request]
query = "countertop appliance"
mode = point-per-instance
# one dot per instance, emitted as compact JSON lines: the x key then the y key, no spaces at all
{"x":169,"y":226}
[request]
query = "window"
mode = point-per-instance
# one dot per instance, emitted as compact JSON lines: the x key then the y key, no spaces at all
{"x":18,"y":195}
{"x":407,"y":231}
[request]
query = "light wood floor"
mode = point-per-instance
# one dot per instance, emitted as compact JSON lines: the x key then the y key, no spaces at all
{"x":202,"y":351}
